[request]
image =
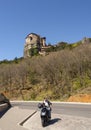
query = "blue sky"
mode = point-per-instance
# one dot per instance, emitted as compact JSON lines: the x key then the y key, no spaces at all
{"x":57,"y":20}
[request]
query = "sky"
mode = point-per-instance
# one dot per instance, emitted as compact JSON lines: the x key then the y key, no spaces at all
{"x":57,"y":20}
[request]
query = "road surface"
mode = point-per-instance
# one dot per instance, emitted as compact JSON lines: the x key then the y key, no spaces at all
{"x":65,"y":116}
{"x":73,"y":109}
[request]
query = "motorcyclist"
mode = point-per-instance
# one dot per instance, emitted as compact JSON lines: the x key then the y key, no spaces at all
{"x":48,"y":104}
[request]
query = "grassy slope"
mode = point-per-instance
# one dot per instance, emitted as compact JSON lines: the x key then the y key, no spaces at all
{"x":82,"y":95}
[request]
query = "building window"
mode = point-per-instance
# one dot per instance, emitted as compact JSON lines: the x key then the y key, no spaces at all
{"x":31,"y":38}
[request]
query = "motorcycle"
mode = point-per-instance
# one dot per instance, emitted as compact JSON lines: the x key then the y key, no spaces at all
{"x":44,"y":114}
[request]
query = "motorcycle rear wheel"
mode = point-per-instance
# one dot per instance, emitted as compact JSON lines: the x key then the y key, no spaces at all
{"x":43,"y":122}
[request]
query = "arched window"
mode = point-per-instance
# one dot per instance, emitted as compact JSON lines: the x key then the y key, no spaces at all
{"x":31,"y":38}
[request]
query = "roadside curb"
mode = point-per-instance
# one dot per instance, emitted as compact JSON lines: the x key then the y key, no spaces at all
{"x":27,"y":118}
{"x":87,"y":103}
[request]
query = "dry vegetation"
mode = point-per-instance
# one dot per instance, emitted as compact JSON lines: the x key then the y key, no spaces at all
{"x":58,"y":75}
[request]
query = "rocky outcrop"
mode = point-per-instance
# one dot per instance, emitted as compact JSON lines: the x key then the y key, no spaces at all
{"x":3,"y":99}
{"x":4,"y":102}
{"x":3,"y":107}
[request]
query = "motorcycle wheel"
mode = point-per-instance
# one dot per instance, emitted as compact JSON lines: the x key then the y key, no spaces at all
{"x":43,"y":122}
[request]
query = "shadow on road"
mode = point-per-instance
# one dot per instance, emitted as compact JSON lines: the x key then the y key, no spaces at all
{"x":53,"y":121}
{"x":4,"y":111}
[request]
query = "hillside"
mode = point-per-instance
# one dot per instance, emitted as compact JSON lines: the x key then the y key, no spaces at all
{"x":63,"y":74}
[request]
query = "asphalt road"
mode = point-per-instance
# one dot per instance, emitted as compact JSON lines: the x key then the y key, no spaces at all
{"x":65,"y":116}
{"x":73,"y":109}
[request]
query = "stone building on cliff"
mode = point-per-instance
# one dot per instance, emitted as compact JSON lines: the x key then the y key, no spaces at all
{"x":34,"y":41}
